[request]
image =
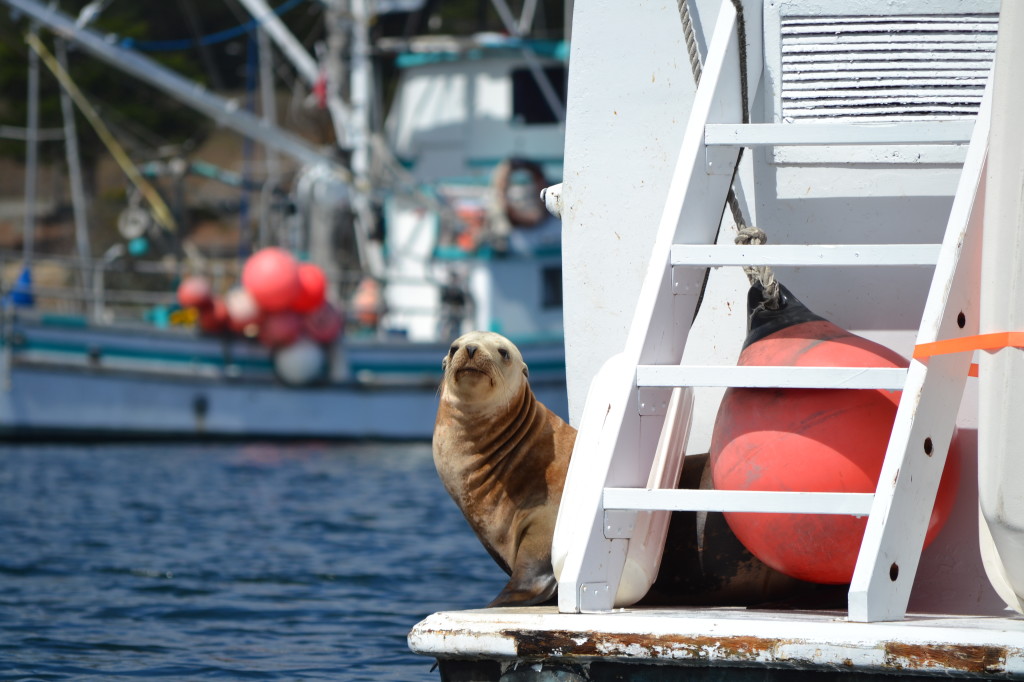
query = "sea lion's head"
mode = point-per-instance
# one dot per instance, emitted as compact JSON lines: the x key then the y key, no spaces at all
{"x":482,"y":370}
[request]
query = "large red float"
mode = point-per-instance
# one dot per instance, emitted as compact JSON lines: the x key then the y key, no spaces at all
{"x":312,"y":288}
{"x":809,"y":440}
{"x":271,"y":275}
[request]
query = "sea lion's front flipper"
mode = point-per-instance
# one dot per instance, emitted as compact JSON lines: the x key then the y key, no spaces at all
{"x":531,"y":584}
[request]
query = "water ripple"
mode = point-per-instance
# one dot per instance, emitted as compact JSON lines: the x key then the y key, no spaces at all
{"x":228,"y":562}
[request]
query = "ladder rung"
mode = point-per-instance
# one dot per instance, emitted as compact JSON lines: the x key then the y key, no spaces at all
{"x":830,"y":134}
{"x":856,"y":504}
{"x":712,"y":255}
{"x":888,"y":378}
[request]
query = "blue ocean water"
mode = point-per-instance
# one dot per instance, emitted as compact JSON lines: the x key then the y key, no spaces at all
{"x":264,"y":561}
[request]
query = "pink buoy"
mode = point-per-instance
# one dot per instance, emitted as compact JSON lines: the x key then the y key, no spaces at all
{"x":280,"y":329}
{"x":312,"y":288}
{"x":271,"y":275}
{"x":324,"y":324}
{"x":243,"y":311}
{"x":195,"y":291}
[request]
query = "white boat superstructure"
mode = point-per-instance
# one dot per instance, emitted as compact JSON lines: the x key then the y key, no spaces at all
{"x":866,"y":127}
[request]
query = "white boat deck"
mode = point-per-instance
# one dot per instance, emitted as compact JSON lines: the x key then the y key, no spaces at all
{"x":958,"y":646}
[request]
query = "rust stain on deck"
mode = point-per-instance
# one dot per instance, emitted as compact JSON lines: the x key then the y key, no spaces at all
{"x":974,"y":659}
{"x":573,"y":644}
{"x":565,"y":644}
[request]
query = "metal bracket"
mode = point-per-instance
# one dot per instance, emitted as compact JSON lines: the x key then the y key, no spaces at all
{"x":652,"y":401}
{"x":619,"y":523}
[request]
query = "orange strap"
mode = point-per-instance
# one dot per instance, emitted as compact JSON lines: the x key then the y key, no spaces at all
{"x":987,"y":342}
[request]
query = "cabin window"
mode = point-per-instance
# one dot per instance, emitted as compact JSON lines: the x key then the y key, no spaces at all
{"x":551,"y":287}
{"x":528,"y":103}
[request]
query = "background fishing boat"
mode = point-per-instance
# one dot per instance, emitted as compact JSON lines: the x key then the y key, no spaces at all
{"x":429,"y":226}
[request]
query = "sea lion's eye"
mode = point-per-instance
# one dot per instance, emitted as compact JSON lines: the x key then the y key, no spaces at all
{"x":503,"y":353}
{"x":452,"y":351}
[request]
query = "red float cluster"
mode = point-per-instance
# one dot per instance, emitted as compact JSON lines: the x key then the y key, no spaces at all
{"x":279,"y":302}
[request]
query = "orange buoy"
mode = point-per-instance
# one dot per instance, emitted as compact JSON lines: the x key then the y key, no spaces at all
{"x":324,"y":324}
{"x":312,"y":288}
{"x":195,"y":291}
{"x":271,"y":275}
{"x":280,"y":328}
{"x":808,"y":440}
{"x":366,"y":302}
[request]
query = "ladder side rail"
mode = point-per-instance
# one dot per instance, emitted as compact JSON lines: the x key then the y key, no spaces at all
{"x":610,"y":430}
{"x":926,"y":417}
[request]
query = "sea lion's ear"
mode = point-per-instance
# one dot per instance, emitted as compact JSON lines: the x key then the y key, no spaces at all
{"x":526,"y":371}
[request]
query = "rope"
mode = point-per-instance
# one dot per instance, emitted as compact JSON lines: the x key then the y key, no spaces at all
{"x":691,"y":40}
{"x":760,"y":274}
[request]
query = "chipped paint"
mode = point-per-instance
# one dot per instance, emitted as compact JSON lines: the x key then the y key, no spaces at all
{"x":823,"y":642}
{"x":971,"y":659}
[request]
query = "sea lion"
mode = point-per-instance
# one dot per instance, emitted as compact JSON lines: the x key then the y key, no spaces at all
{"x":503,"y":456}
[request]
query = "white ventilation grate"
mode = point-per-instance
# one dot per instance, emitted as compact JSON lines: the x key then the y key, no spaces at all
{"x":885,"y":68}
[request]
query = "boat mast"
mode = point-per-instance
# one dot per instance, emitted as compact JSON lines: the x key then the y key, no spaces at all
{"x":78,"y":200}
{"x":31,"y":158}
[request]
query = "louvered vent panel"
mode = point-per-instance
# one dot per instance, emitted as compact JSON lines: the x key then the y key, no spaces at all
{"x":885,"y":68}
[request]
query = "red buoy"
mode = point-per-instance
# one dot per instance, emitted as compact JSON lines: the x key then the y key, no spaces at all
{"x":809,"y":440}
{"x":213,"y":319}
{"x":324,"y":324}
{"x":312,"y":288}
{"x":195,"y":291}
{"x":271,"y":275}
{"x":280,"y":328}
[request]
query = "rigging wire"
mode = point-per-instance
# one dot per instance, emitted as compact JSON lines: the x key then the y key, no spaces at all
{"x":211,"y":39}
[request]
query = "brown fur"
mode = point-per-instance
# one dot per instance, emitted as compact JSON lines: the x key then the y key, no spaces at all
{"x":502,"y":456}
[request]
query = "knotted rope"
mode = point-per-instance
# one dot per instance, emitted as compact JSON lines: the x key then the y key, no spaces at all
{"x":762,"y":274}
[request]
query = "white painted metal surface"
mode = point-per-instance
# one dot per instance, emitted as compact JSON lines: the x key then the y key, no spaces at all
{"x":826,"y":255}
{"x":887,"y":378}
{"x":619,"y":443}
{"x":1001,"y":430}
{"x":858,"y":504}
{"x":833,"y":134}
{"x":638,"y":109}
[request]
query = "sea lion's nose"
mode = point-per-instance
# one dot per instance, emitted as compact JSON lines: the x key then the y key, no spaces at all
{"x":470,"y":350}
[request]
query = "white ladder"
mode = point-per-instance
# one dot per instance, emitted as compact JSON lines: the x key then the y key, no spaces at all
{"x":644,"y":390}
